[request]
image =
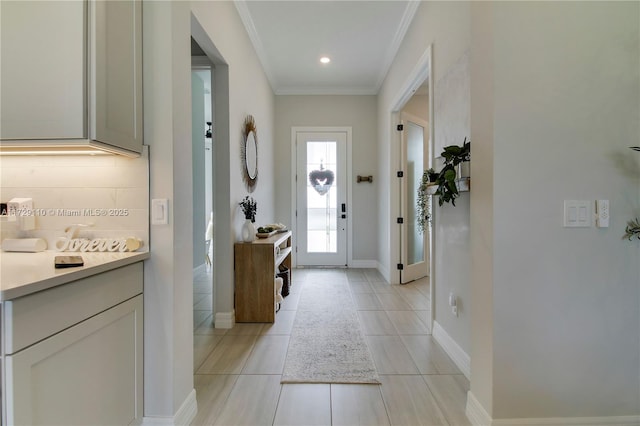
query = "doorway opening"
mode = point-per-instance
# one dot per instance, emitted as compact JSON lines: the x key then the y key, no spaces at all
{"x":202,"y":134}
{"x":412,"y":115}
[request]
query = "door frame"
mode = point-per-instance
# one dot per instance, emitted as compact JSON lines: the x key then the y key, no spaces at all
{"x":421,"y":71}
{"x":349,"y":182}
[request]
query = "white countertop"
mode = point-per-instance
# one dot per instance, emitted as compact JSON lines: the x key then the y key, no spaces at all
{"x":25,"y":273}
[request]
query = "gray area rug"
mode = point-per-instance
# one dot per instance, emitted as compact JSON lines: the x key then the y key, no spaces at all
{"x":327,"y":344}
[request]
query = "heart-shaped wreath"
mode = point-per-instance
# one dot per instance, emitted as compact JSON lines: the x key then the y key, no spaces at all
{"x":321,"y":180}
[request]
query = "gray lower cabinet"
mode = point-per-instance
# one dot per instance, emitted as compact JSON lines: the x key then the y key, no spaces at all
{"x":88,"y":369}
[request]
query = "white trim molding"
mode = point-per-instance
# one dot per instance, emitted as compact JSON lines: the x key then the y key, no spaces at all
{"x":575,"y":421}
{"x":361,"y":263}
{"x":478,"y":416}
{"x":187,"y":411}
{"x":390,"y":54}
{"x":225,"y":319}
{"x":384,"y":271}
{"x":475,"y":412}
{"x":451,"y":347}
{"x":184,"y":416}
{"x":348,"y":131}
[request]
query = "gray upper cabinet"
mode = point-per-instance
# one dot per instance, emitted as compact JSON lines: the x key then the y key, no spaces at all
{"x":117,"y":91}
{"x":71,"y":74}
{"x":43,"y":69}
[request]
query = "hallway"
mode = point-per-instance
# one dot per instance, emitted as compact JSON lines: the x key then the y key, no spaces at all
{"x":237,"y":371}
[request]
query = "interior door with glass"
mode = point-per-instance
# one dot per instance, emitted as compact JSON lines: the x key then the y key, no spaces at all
{"x":415,"y":244}
{"x":321,"y":199}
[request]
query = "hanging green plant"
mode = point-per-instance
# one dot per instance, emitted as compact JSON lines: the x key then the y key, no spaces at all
{"x":632,"y":230}
{"x":446,"y":181}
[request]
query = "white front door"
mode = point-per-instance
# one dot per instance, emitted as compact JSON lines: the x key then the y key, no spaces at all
{"x":414,"y":247}
{"x":321,"y":198}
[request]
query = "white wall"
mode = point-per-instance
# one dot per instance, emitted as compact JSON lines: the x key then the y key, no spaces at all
{"x":249,"y":93}
{"x":482,"y":206}
{"x":445,"y":26}
{"x":242,"y":90}
{"x":168,"y":325}
{"x":359,"y":112}
{"x":452,"y":223}
{"x":565,"y":302}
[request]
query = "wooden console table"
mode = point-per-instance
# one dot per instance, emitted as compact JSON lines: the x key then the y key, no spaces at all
{"x":256,"y":264}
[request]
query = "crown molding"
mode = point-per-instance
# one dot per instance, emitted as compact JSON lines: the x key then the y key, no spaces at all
{"x":390,"y":55}
{"x":247,"y":21}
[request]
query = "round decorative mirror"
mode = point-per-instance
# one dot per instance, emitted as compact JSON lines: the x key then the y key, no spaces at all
{"x":249,"y":153}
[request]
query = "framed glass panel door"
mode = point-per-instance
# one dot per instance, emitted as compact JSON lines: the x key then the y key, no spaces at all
{"x":415,"y":256}
{"x":321,"y":209}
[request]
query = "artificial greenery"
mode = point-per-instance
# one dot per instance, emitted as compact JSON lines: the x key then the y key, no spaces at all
{"x":423,"y":210}
{"x":446,"y":181}
{"x":633,"y":226}
{"x":632,"y":230}
{"x":432,"y":175}
{"x":249,"y":208}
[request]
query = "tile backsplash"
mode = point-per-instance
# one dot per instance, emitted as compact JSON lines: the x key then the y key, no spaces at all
{"x":110,"y":193}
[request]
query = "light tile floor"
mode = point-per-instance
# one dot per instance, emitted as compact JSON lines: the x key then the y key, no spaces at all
{"x":237,"y":372}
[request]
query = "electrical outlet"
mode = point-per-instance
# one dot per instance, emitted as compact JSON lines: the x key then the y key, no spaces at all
{"x":22,"y":210}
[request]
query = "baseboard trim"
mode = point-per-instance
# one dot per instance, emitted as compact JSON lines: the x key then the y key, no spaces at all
{"x":451,"y":347}
{"x":184,"y":416}
{"x":384,"y":272}
{"x":475,"y":412}
{"x":478,"y":416}
{"x":571,"y":421}
{"x":360,"y":263}
{"x":157,"y":421}
{"x":225,"y":319}
{"x":187,"y":411}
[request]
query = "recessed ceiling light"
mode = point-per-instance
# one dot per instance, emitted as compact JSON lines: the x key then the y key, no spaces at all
{"x":325,"y":59}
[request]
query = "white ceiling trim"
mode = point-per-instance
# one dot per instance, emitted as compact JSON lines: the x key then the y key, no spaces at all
{"x":304,"y":90}
{"x":247,"y":20}
{"x":407,"y":17}
{"x":249,"y":25}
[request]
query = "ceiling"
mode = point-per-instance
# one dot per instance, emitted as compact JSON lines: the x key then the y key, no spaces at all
{"x":361,"y":38}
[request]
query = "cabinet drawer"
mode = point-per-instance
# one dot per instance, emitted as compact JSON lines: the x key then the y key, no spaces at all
{"x":32,"y":318}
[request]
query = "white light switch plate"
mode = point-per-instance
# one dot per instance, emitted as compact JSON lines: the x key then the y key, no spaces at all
{"x":159,"y":211}
{"x":577,"y":214}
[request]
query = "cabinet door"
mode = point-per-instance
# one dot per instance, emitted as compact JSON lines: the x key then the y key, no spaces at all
{"x":117,"y":73}
{"x":43,"y":67}
{"x":90,"y":373}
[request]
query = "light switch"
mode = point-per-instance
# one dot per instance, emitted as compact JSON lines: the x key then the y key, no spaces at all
{"x":159,"y":211}
{"x":577,"y":214}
